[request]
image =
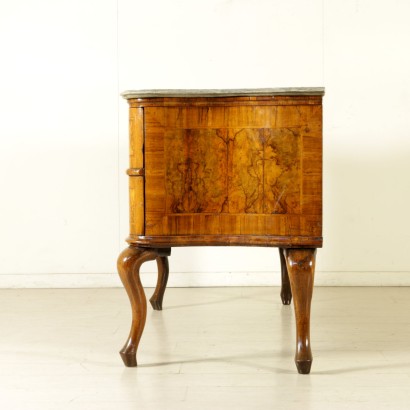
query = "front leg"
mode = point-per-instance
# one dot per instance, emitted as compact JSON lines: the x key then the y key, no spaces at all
{"x":129,"y":263}
{"x":285,"y":292}
{"x":301,"y":268}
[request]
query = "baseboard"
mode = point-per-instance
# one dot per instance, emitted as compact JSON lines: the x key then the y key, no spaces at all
{"x":100,"y":280}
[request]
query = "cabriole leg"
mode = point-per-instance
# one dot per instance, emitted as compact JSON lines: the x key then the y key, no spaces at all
{"x":285,"y":292}
{"x":163,"y":271}
{"x":301,"y":268}
{"x":129,"y":263}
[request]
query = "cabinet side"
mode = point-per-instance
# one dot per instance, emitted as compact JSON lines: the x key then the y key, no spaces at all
{"x":136,"y":171}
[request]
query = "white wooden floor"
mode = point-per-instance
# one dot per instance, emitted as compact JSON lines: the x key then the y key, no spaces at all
{"x":210,"y":348}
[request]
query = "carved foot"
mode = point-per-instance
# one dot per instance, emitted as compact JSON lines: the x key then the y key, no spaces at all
{"x":163,"y":271}
{"x":301,"y":268}
{"x":285,"y":292}
{"x":129,"y":263}
{"x":303,"y":366}
{"x":128,"y":357}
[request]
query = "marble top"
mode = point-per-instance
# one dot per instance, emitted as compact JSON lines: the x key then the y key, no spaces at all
{"x":244,"y":92}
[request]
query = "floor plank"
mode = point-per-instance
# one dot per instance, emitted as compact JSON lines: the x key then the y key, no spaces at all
{"x":210,"y":348}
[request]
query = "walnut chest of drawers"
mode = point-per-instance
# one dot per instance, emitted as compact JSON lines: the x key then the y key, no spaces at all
{"x":225,"y":167}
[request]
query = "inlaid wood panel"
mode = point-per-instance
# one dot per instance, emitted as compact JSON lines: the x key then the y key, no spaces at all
{"x":233,"y":170}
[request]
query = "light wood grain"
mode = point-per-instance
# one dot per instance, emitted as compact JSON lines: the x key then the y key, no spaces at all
{"x":136,"y":182}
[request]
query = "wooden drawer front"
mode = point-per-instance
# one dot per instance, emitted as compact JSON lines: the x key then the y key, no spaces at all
{"x":253,"y":170}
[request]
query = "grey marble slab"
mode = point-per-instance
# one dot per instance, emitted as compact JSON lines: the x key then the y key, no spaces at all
{"x":244,"y":92}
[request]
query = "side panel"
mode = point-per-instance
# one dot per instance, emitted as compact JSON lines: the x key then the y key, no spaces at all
{"x":233,"y":170}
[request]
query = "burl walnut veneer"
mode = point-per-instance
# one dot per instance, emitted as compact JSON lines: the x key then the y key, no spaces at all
{"x":225,"y":167}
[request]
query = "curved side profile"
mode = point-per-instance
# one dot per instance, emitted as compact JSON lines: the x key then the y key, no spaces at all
{"x":285,"y":292}
{"x":129,"y":263}
{"x":301,"y":268}
{"x":163,"y":271}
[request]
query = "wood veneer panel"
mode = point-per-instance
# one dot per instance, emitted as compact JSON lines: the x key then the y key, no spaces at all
{"x":136,"y":183}
{"x":233,"y":170}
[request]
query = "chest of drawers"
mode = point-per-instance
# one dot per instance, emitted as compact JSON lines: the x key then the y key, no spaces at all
{"x":225,"y":167}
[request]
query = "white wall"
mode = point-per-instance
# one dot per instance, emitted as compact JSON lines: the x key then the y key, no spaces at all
{"x":59,"y":138}
{"x":63,"y":129}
